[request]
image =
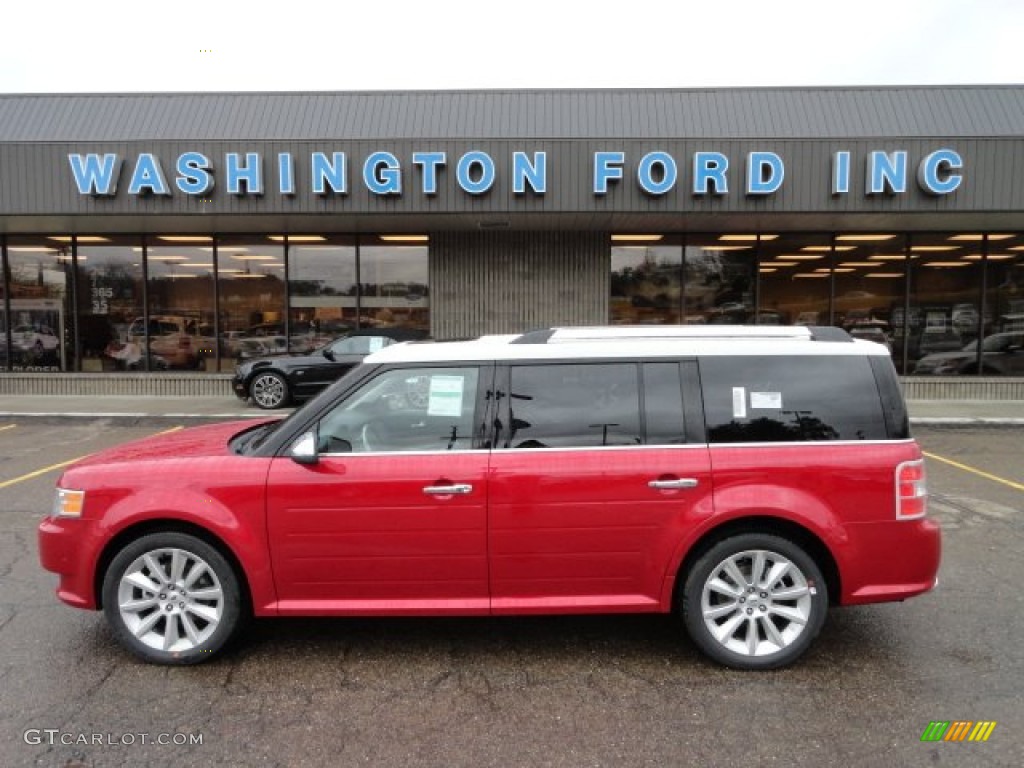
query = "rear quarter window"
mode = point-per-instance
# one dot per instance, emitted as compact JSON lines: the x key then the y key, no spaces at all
{"x":791,"y":399}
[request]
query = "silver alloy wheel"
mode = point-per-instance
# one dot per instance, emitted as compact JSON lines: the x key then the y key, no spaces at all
{"x":756,"y":603}
{"x":268,"y":390}
{"x":170,"y":600}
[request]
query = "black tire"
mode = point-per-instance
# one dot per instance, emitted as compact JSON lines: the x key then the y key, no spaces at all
{"x":269,"y":390}
{"x":784,"y":616}
{"x":180,"y":621}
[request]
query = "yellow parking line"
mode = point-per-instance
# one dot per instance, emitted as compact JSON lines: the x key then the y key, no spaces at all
{"x":52,"y":467}
{"x":39,"y":472}
{"x":972,"y":470}
{"x":7,"y":426}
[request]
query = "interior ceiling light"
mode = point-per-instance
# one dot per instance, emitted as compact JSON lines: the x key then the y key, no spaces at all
{"x":405,"y":238}
{"x":766,"y":270}
{"x":81,"y":239}
{"x":858,"y":264}
{"x":887,"y":257}
{"x":803,"y":256}
{"x":991,"y":256}
{"x":725,"y":247}
{"x":835,"y":270}
{"x":253,"y":257}
{"x":747,"y":238}
{"x":883,"y":274}
{"x":297,"y":238}
{"x":864,"y":238}
{"x":780,"y":264}
{"x":810,"y":274}
{"x":977,"y":238}
{"x":168,"y":257}
{"x":635,"y":238}
{"x":227,"y":249}
{"x":947,"y":264}
{"x":827,"y":248}
{"x":31,"y":249}
{"x":185,"y":238}
{"x":196,"y":264}
{"x":934,"y":248}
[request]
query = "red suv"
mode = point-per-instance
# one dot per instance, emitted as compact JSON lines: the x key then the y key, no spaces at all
{"x":746,"y":478}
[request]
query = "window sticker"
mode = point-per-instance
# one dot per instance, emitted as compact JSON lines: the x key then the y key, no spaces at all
{"x":376,"y":342}
{"x":767,"y":400}
{"x":739,"y":403}
{"x":445,"y":396}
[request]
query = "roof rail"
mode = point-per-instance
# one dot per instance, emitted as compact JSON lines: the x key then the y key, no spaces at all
{"x":639,"y":333}
{"x":656,"y":332}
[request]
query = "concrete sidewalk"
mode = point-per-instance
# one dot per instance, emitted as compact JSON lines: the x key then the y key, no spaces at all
{"x":138,"y":408}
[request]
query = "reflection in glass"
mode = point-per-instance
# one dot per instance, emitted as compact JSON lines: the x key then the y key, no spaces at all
{"x":646,"y":282}
{"x":40,"y":323}
{"x":394,"y":284}
{"x":250,"y":272}
{"x":564,"y":406}
{"x":322,"y":288}
{"x":719,"y":280}
{"x":110,"y":298}
{"x":181,"y":306}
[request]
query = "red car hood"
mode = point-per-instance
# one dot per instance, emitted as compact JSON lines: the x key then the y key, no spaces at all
{"x":194,"y":442}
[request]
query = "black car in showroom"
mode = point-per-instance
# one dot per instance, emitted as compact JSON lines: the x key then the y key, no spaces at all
{"x":274,"y":382}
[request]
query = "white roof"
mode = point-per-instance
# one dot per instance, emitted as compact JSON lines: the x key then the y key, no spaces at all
{"x":631,"y":342}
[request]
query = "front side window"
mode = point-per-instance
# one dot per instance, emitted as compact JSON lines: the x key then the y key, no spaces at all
{"x":360,"y":345}
{"x":574,"y":405}
{"x":408,"y":410}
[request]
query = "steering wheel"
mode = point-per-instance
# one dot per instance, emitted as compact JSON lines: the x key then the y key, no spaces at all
{"x":371,"y":438}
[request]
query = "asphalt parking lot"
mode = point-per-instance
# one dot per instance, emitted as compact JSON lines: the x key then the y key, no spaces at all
{"x":584,"y":691}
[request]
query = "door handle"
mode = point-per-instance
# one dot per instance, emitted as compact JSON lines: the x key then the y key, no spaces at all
{"x":668,"y":485}
{"x":448,"y":490}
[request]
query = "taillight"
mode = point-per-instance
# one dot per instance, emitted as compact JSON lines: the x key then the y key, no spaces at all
{"x":911,"y":490}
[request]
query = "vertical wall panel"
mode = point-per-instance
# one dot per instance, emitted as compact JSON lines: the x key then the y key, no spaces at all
{"x":506,"y":282}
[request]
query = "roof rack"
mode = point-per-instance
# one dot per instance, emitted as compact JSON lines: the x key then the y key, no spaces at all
{"x":702,"y":332}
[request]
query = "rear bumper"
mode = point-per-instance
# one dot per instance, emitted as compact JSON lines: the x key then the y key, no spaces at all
{"x":64,"y":550}
{"x":891,"y":561}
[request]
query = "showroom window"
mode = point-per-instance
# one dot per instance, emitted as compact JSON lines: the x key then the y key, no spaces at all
{"x":251,"y":300}
{"x":323,"y":288}
{"x":181,"y":304}
{"x":646,"y":279}
{"x":394,"y":281}
{"x":110,"y":299}
{"x":40,"y":322}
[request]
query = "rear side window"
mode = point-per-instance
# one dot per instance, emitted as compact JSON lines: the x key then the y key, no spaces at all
{"x":574,"y":405}
{"x":786,"y":399}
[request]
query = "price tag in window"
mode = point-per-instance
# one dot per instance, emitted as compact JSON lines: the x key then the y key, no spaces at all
{"x":445,"y":396}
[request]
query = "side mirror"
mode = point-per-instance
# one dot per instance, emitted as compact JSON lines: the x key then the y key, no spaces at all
{"x":328,"y":353}
{"x":303,"y":450}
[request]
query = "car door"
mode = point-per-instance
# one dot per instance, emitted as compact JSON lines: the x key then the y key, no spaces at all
{"x":391,"y":518}
{"x":594,"y":479}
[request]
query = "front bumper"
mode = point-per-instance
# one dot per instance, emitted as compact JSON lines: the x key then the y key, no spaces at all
{"x":64,"y":549}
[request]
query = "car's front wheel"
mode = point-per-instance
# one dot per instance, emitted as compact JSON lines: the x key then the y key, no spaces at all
{"x":269,"y":390}
{"x":754,"y":601}
{"x":172,"y":598}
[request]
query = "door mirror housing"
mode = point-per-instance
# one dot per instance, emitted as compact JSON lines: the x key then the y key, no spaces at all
{"x":328,"y":353}
{"x":303,"y":450}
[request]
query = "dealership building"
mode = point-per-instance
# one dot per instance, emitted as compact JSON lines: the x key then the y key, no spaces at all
{"x":209,"y":227}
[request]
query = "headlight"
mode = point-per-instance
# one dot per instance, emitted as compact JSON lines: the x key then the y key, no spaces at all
{"x":68,"y":503}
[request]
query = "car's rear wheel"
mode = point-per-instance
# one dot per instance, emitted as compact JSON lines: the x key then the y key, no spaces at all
{"x":172,"y":598}
{"x":269,"y":390}
{"x":754,"y":601}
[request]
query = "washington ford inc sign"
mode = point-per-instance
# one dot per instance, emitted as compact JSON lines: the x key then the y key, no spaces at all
{"x":384,"y":174}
